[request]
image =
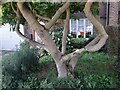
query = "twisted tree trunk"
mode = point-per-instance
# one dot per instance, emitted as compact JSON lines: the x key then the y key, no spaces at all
{"x":49,"y":45}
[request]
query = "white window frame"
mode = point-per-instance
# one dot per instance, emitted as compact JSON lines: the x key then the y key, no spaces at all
{"x":77,"y":25}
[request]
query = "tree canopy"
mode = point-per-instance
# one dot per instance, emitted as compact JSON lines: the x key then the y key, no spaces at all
{"x":45,"y":9}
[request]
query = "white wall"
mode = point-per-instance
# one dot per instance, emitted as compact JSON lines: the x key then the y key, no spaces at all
{"x":9,"y":40}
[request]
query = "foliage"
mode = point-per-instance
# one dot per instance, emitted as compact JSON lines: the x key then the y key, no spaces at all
{"x":91,"y":37}
{"x":96,"y":70}
{"x":41,"y":8}
{"x":16,"y":66}
{"x":0,"y":16}
{"x":62,"y":83}
{"x":78,"y":42}
{"x":31,"y":82}
{"x":57,"y":37}
{"x":47,"y":68}
{"x":97,"y":63}
{"x":43,"y":61}
{"x":99,"y":81}
{"x":44,"y":8}
{"x":95,"y":8}
{"x":9,"y":16}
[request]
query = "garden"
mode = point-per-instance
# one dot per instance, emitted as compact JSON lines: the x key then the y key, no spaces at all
{"x":34,"y":68}
{"x":58,"y":60}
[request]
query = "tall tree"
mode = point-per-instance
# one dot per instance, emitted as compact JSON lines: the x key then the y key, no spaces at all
{"x":26,"y":10}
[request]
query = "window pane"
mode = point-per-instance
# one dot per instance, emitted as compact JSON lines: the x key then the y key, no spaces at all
{"x":81,"y":22}
{"x":73,"y":25}
{"x":81,"y":28}
{"x":88,"y":23}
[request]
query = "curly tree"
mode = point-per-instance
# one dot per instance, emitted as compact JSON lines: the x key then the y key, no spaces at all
{"x":23,"y":10}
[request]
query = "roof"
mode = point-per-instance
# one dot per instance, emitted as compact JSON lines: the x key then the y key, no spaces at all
{"x":79,"y":15}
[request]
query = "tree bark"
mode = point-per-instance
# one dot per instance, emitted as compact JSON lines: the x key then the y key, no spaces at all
{"x":65,"y":32}
{"x":57,"y":15}
{"x":100,"y":40}
{"x":45,"y":37}
{"x":61,"y":68}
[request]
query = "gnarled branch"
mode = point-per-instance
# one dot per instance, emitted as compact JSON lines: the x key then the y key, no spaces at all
{"x":71,"y":55}
{"x":13,"y":8}
{"x":25,"y":38}
{"x":30,"y":18}
{"x":48,"y":19}
{"x":57,"y":15}
{"x":65,"y":32}
{"x":100,"y":40}
{"x":18,"y":31}
{"x":42,"y":17}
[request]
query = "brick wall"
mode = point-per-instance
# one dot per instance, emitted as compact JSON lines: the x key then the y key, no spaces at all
{"x":113,"y":13}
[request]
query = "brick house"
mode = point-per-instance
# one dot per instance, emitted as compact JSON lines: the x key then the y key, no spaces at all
{"x":110,"y":13}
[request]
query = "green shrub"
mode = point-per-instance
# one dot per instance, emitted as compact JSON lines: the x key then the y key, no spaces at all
{"x":57,"y":37}
{"x":91,"y":37}
{"x":52,"y":72}
{"x":23,"y":61}
{"x":45,"y":60}
{"x":67,"y":83}
{"x":97,"y":63}
{"x":62,"y":83}
{"x":78,"y":42}
{"x":16,"y":66}
{"x":31,"y":82}
{"x":99,"y":81}
{"x":96,"y":70}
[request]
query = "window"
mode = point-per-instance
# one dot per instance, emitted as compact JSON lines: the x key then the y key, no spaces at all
{"x":73,"y":25}
{"x":81,"y":28}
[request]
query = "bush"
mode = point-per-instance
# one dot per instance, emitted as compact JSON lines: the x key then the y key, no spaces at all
{"x":99,"y":81}
{"x":57,"y":37}
{"x":78,"y":42}
{"x":96,"y":70}
{"x":91,"y":37}
{"x":61,"y":83}
{"x":32,"y":82}
{"x":23,"y":61}
{"x":45,"y":60}
{"x":97,"y":63}
{"x":16,"y":66}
